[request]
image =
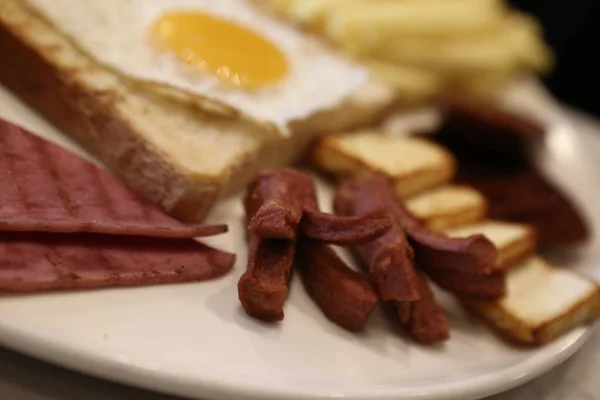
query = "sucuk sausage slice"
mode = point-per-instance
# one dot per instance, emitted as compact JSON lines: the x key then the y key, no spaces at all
{"x":390,"y":261}
{"x":390,"y":257}
{"x":424,"y":319}
{"x":433,"y":251}
{"x":276,"y":203}
{"x":263,"y":288}
{"x":344,"y":295}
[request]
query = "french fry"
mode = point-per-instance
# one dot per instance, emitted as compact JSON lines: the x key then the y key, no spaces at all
{"x":492,"y":51}
{"x":360,"y":26}
{"x":526,"y":34}
{"x":412,"y":84}
{"x":424,"y":48}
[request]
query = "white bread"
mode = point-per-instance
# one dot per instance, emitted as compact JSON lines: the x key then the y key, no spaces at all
{"x":542,"y":303}
{"x":414,"y":165}
{"x":513,"y":241}
{"x":448,"y":206}
{"x":179,"y":157}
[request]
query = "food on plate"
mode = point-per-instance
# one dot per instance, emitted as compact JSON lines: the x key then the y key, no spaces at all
{"x":492,"y":148}
{"x":49,"y":189}
{"x":275,"y":204}
{"x":425,"y":48}
{"x":415,"y":165}
{"x":473,"y":258}
{"x":542,"y":302}
{"x":277,"y":201}
{"x":448,"y":206}
{"x":390,"y":258}
{"x":423,"y":319}
{"x":263,"y":288}
{"x":390,"y":262}
{"x":519,"y":295}
{"x":344,"y":231}
{"x":34,"y":261}
{"x":67,"y":224}
{"x":485,"y":130}
{"x":513,"y":241}
{"x":344,"y":295}
{"x":112,"y":78}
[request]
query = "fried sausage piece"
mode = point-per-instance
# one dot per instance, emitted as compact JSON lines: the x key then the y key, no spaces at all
{"x":488,"y":286}
{"x":344,"y":295}
{"x":263,"y":288}
{"x":475,"y":254}
{"x":345,"y":231}
{"x":275,"y":201}
{"x":424,"y":319}
{"x":274,"y":204}
{"x":389,"y":258}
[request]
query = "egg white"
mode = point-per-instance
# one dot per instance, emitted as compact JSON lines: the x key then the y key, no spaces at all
{"x":116,"y":33}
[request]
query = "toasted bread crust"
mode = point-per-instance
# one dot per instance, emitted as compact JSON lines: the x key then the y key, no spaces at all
{"x":90,"y":115}
{"x":513,"y":328}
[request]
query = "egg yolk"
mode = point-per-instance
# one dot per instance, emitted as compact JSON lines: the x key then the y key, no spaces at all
{"x":235,"y":54}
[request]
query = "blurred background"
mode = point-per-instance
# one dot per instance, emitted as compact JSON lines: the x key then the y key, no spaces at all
{"x":572,"y":30}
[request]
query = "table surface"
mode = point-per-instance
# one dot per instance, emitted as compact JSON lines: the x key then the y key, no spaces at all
{"x":23,"y":378}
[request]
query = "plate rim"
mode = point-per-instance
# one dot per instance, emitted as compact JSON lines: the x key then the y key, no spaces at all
{"x":216,"y":388}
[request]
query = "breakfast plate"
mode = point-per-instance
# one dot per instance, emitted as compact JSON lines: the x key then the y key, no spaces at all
{"x":194,"y":340}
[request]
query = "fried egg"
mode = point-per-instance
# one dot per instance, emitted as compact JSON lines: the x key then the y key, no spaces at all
{"x":224,"y":50}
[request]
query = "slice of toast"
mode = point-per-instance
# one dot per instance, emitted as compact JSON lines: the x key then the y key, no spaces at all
{"x":542,"y":303}
{"x":180,"y":157}
{"x":414,"y":165}
{"x":448,"y":206}
{"x":513,"y":241}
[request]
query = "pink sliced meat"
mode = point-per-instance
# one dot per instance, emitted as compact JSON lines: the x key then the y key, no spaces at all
{"x":46,"y":188}
{"x":47,"y":261}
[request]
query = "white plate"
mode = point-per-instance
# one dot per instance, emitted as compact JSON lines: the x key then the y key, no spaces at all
{"x":194,"y":340}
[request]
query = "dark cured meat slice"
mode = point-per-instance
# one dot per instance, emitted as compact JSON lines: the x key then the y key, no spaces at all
{"x":47,"y":261}
{"x":492,"y":147}
{"x":263,"y":288}
{"x":344,"y":295}
{"x":46,"y":188}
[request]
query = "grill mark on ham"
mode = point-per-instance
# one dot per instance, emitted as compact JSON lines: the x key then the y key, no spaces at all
{"x":37,"y":190}
{"x":47,"y":188}
{"x":11,"y":198}
{"x":43,"y":261}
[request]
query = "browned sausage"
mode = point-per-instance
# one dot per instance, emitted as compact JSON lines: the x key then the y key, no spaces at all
{"x":390,"y":261}
{"x":275,"y":204}
{"x":344,"y":295}
{"x":475,"y":254}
